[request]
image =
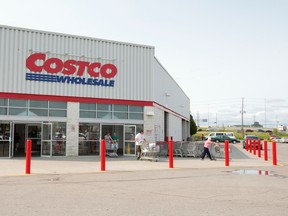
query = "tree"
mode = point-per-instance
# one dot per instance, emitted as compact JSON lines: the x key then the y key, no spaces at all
{"x":193,"y":127}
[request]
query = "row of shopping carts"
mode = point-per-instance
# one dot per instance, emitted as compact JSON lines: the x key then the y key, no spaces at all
{"x":188,"y":149}
{"x":154,"y":151}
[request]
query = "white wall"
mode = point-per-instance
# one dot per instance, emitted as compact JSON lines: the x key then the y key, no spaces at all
{"x":168,"y":93}
{"x":175,"y":127}
{"x":134,"y":63}
{"x":72,"y":129}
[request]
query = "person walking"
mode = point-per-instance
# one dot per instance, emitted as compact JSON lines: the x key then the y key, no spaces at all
{"x":108,"y":140}
{"x":140,"y":139}
{"x":115,"y":139}
{"x":207,"y":145}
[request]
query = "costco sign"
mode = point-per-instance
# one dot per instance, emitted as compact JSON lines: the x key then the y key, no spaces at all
{"x":70,"y":71}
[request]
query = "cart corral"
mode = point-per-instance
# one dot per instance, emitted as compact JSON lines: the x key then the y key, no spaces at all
{"x":187,"y":149}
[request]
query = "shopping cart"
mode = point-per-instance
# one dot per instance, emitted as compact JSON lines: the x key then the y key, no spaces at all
{"x":150,"y":151}
{"x":219,"y":151}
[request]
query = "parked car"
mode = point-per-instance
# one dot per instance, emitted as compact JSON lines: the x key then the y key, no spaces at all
{"x":249,"y":130}
{"x":273,"y":136}
{"x":213,"y":134}
{"x":251,"y":137}
{"x":222,"y":138}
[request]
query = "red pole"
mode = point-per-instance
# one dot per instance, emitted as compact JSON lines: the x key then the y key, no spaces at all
{"x":274,"y":155}
{"x":265,"y":150}
{"x":170,"y":143}
{"x":28,"y":156}
{"x":259,"y":148}
{"x":246,"y":144}
{"x":103,"y":154}
{"x":226,"y":153}
{"x":254,"y":149}
{"x":250,"y":146}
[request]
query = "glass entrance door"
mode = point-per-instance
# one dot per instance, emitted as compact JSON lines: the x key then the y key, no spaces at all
{"x":33,"y":133}
{"x":46,"y":142}
{"x":6,"y":148}
{"x":116,"y":132}
{"x":129,"y":137}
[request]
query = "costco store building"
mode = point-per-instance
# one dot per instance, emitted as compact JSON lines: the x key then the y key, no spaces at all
{"x":64,"y":92}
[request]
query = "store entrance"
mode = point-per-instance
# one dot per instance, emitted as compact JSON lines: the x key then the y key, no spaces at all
{"x":23,"y":132}
{"x":114,"y":130}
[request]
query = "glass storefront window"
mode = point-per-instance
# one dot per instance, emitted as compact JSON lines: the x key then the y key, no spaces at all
{"x":17,"y":103}
{"x":59,"y":105}
{"x":35,"y":108}
{"x":18,"y":111}
{"x":118,"y":115}
{"x":87,"y":106}
{"x":136,"y":109}
{"x":57,"y":113}
{"x":3,"y":102}
{"x":87,"y":114}
{"x":111,"y":111}
{"x":122,"y":108}
{"x":38,"y":104}
{"x":106,"y":107}
{"x":38,"y":112}
{"x":3,"y":111}
{"x":104,"y":115}
{"x":136,"y":116}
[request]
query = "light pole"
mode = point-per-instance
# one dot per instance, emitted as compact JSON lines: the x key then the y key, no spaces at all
{"x":242,"y":112}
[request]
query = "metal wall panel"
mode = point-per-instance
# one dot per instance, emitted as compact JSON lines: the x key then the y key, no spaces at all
{"x":168,"y":93}
{"x":134,"y":63}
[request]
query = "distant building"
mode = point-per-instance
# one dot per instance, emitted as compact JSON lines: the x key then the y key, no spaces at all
{"x":282,"y":128}
{"x":256,"y":124}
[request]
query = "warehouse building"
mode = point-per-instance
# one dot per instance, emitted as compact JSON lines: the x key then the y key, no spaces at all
{"x":65,"y":92}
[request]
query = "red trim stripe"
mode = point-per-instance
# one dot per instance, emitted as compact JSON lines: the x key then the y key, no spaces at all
{"x":87,"y":100}
{"x":75,"y":99}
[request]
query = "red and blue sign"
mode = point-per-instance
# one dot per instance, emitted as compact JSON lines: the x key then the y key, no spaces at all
{"x":69,"y":71}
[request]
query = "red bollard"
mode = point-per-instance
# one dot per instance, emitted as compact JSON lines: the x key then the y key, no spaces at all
{"x":259,"y":148}
{"x":226,"y":153}
{"x":274,"y":153}
{"x":254,"y":147}
{"x":246,"y":144}
{"x":28,"y":156}
{"x":250,"y":146}
{"x":265,"y":150}
{"x":103,"y":155}
{"x":170,"y":146}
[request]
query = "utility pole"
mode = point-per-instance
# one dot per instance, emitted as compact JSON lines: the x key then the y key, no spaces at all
{"x":242,"y":112}
{"x":265,"y":114}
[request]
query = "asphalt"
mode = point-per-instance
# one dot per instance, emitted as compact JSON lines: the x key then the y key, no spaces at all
{"x":76,"y":186}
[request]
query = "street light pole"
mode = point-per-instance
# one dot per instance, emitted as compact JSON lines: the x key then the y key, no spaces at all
{"x":242,"y":112}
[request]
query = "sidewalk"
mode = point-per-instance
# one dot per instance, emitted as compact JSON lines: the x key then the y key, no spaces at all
{"x":91,"y":164}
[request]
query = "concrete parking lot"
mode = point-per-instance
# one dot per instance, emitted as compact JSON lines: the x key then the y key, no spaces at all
{"x":74,"y":186}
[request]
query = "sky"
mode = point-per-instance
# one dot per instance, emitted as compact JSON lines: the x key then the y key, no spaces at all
{"x":230,"y":57}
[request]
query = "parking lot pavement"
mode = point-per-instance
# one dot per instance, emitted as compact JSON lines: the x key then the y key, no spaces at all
{"x":75,"y":186}
{"x":193,"y":187}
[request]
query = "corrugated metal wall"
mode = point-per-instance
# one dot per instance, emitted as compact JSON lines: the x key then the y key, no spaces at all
{"x":168,"y":93}
{"x":134,"y":64}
